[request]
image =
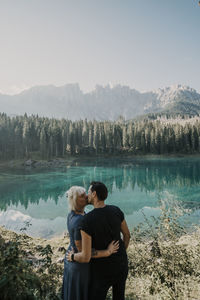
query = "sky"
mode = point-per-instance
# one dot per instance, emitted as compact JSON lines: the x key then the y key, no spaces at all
{"x":145,"y":44}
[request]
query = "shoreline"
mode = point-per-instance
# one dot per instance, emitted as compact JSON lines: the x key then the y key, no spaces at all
{"x":75,"y":160}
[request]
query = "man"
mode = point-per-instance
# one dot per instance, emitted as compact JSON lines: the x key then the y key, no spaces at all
{"x":99,"y":227}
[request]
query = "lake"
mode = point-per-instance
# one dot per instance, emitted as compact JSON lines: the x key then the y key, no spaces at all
{"x":136,"y":185}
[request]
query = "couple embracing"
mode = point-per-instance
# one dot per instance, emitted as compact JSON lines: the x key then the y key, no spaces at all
{"x":96,"y":258}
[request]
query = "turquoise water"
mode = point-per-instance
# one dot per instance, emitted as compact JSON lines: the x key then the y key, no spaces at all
{"x":135,"y":185}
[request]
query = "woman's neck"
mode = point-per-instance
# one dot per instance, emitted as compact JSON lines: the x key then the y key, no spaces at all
{"x":79,"y":211}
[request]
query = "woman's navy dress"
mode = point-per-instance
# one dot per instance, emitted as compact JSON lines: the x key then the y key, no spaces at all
{"x":76,"y":275}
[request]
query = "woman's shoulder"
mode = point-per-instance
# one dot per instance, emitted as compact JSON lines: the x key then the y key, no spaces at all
{"x":73,"y":217}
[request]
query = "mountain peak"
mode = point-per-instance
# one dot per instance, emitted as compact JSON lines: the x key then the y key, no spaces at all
{"x":174,"y":89}
{"x":103,"y":103}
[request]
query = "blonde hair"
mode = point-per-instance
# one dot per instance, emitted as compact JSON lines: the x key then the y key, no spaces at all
{"x":72,"y":195}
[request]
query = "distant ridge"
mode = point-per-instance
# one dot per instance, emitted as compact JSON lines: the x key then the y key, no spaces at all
{"x":103,"y":103}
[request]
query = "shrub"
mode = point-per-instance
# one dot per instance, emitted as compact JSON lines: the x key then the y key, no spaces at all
{"x":24,"y":276}
{"x":164,"y":267}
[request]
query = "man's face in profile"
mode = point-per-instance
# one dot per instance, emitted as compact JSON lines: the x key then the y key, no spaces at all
{"x":90,"y":198}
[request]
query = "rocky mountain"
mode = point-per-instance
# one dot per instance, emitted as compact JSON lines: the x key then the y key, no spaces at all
{"x":175,"y":99}
{"x":103,"y":103}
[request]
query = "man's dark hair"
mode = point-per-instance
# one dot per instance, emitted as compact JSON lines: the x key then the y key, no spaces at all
{"x":100,"y":189}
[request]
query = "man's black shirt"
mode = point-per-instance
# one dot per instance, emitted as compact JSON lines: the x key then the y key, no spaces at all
{"x":104,"y":225}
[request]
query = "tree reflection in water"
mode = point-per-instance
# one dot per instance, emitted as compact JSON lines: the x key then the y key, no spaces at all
{"x":155,"y":175}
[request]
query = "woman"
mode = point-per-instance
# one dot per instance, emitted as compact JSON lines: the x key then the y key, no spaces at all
{"x":76,"y":276}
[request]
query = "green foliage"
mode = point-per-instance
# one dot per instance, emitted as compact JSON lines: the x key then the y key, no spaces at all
{"x":18,"y":281}
{"x":27,"y":277}
{"x":29,"y":137}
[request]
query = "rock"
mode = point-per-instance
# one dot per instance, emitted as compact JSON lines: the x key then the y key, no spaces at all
{"x":29,"y":162}
{"x":38,"y":164}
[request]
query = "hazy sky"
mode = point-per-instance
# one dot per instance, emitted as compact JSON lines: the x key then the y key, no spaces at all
{"x":145,"y":44}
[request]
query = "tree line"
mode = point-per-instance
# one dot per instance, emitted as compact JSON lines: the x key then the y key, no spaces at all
{"x":31,"y":136}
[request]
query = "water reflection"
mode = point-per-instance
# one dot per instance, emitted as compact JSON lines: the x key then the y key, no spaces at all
{"x":181,"y":177}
